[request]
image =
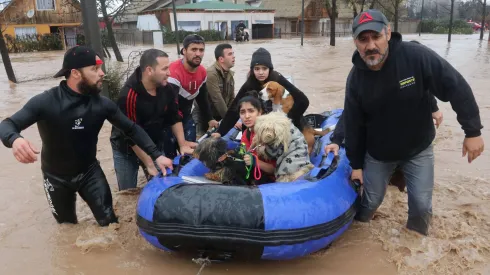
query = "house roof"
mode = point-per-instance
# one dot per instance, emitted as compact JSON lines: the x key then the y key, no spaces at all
{"x":130,"y":13}
{"x":217,"y":5}
{"x":285,"y":8}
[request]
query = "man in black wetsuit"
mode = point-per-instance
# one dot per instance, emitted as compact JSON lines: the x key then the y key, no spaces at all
{"x":69,"y":118}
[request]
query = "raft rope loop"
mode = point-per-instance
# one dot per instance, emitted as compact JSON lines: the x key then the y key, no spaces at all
{"x":203,"y":262}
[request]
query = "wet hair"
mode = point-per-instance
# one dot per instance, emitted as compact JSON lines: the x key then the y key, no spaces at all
{"x":254,"y":101}
{"x":220,"y":50}
{"x":149,"y":58}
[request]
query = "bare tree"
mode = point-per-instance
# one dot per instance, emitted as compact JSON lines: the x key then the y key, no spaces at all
{"x":357,"y":6}
{"x":6,"y":58}
{"x":392,"y":7}
{"x":3,"y":45}
{"x":332,"y":14}
{"x":450,"y":22}
{"x":483,"y":17}
{"x":110,"y":33}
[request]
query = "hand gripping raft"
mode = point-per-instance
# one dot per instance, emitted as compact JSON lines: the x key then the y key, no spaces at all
{"x":275,"y":221}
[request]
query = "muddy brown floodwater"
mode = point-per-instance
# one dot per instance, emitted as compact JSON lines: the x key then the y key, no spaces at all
{"x":32,"y":243}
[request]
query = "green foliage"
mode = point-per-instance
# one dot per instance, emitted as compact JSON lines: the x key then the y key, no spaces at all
{"x":441,"y":26}
{"x":208,"y":35}
{"x":30,"y":43}
{"x":114,"y":78}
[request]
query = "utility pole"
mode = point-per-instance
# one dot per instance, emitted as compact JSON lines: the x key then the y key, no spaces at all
{"x":91,"y":29}
{"x":176,"y":28}
{"x":421,"y":17}
{"x":483,"y":15}
{"x":451,"y":22}
{"x":302,"y":20}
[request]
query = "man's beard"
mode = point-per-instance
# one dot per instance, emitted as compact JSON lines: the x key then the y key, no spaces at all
{"x":192,"y":64}
{"x":157,"y":82}
{"x":375,"y":62}
{"x":86,"y":89}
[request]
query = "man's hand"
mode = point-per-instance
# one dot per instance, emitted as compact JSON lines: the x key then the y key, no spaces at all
{"x":163,"y":163}
{"x":357,"y":175}
{"x":190,"y":144}
{"x":186,"y":150}
{"x":24,"y":151}
{"x":437,"y":116}
{"x":473,"y":147}
{"x":213,"y":123}
{"x":247,"y":159}
{"x":238,"y":125}
{"x":216,"y":135}
{"x":151,"y":169}
{"x":332,"y":147}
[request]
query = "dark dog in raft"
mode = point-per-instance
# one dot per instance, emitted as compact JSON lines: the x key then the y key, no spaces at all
{"x":226,"y":166}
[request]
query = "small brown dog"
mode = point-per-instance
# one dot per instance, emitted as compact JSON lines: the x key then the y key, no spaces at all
{"x":276,"y":93}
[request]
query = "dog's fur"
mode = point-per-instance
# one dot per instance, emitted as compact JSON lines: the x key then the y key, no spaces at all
{"x":226,"y":171}
{"x":275,"y":130}
{"x":275,"y":93}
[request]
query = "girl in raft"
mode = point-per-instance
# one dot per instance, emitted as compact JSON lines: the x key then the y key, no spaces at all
{"x":278,"y":146}
{"x":262,"y":71}
{"x":250,"y":108}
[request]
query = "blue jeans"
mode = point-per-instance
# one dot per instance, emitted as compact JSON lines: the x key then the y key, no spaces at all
{"x":126,"y":165}
{"x":419,"y":176}
{"x":171,"y":145}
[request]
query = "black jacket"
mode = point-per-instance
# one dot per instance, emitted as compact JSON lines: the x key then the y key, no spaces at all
{"x":300,"y":105}
{"x":338,"y":134}
{"x":388,"y":112}
{"x":152,"y":113}
{"x":69,"y":124}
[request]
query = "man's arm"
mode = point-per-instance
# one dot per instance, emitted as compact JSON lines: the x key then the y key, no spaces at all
{"x":215,"y":94}
{"x":447,"y":84}
{"x":11,"y":127}
{"x":433,"y":103}
{"x":131,"y":129}
{"x":233,"y":114}
{"x":122,"y":104}
{"x":338,"y":134}
{"x":203,"y":103}
{"x":354,"y":127}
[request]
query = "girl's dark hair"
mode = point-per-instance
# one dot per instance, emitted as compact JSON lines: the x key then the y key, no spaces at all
{"x":256,"y":102}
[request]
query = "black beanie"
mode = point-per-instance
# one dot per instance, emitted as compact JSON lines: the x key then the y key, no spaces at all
{"x":261,"y":57}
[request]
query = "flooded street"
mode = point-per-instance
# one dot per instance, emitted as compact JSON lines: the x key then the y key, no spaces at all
{"x":31,"y":242}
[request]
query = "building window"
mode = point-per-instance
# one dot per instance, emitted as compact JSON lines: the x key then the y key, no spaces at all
{"x":191,"y":26}
{"x":25,"y":32}
{"x":45,"y":5}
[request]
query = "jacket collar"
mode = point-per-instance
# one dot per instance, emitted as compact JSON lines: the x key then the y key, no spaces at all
{"x":220,"y":70}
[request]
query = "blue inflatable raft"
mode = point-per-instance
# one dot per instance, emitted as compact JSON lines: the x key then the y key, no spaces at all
{"x":275,"y":221}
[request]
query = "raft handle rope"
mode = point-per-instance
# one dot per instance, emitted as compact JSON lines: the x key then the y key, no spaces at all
{"x":203,"y":262}
{"x":255,"y":160}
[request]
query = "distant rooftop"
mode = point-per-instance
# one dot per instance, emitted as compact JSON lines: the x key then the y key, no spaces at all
{"x":218,"y":5}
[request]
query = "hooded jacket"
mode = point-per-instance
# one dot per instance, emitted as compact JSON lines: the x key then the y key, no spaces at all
{"x":152,"y":113}
{"x":300,"y":105}
{"x":388,"y":112}
{"x":221,"y":92}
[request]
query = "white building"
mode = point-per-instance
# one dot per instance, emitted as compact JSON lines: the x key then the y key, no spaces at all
{"x":217,"y":15}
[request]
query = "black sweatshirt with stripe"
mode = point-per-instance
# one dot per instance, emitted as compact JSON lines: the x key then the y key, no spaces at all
{"x":152,"y":113}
